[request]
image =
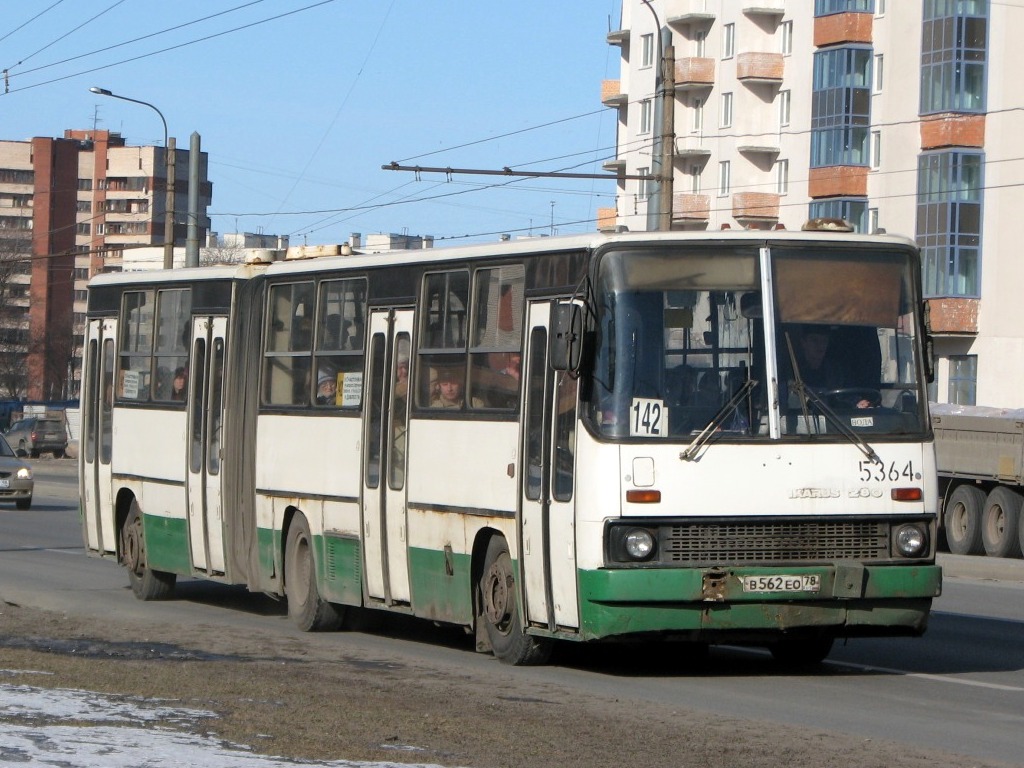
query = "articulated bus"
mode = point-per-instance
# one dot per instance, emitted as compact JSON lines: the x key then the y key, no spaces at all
{"x":696,"y":437}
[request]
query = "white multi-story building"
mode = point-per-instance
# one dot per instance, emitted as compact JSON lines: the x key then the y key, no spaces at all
{"x":888,"y":114}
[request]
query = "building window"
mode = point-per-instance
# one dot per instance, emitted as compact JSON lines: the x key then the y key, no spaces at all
{"x":963,"y":379}
{"x":784,"y":101}
{"x":949,"y":209}
{"x":873,"y":227}
{"x":878,"y":71}
{"x":840,"y":107}
{"x":876,"y":149}
{"x":782,"y":177}
{"x":698,"y":116}
{"x":829,"y":7}
{"x":954,"y":50}
{"x":645,"y":116}
{"x":85,"y":185}
{"x":700,"y":43}
{"x":726,"y":110}
{"x":724,"y":178}
{"x":83,"y":228}
{"x":851,"y":209}
{"x":695,"y":179}
{"x":879,"y":7}
{"x":728,"y":41}
{"x":644,"y":187}
{"x":786,"y":34}
{"x":647,"y":50}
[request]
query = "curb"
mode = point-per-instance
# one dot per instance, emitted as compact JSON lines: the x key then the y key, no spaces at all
{"x":981,"y":567}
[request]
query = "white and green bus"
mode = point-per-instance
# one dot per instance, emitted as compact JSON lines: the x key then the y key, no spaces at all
{"x":590,"y":438}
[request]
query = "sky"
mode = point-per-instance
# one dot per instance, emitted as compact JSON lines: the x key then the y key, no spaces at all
{"x":85,"y":729}
{"x":299,"y":103}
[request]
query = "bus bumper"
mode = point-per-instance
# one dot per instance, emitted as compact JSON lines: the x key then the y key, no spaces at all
{"x":710,"y":604}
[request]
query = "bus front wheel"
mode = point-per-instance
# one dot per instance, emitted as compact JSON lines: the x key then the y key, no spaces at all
{"x":146,"y":583}
{"x":500,"y":611}
{"x":306,"y":608}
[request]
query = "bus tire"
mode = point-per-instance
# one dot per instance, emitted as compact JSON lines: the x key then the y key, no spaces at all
{"x":801,"y":650}
{"x":306,"y":608}
{"x":1000,"y":523}
{"x":146,"y":583}
{"x":962,"y":520}
{"x":500,"y":611}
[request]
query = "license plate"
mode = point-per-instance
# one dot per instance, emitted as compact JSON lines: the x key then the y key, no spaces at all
{"x":5,"y":483}
{"x":808,"y":582}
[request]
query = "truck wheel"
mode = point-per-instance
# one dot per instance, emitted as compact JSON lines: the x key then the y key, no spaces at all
{"x":962,"y":520}
{"x":1000,"y":523}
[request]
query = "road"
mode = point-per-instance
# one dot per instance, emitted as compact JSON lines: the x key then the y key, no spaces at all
{"x":960,"y":688}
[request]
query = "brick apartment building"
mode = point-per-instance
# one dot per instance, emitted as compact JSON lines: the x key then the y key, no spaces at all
{"x":888,"y":114}
{"x":69,"y":208}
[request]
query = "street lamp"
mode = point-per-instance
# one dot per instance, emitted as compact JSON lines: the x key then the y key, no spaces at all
{"x":169,"y":151}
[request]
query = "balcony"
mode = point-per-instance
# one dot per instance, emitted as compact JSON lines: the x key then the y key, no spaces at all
{"x":618,"y":37}
{"x":615,"y":166}
{"x":612,"y":95}
{"x":765,"y":8}
{"x":691,"y":12}
{"x":760,"y":68}
{"x":692,"y":147}
{"x":953,"y":316}
{"x":694,"y":73}
{"x":759,"y":150}
{"x":755,"y":207}
{"x":688,"y":207}
{"x":607,"y":219}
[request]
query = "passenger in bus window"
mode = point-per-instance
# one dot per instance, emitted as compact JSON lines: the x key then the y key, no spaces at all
{"x":326,"y":388}
{"x":447,"y":388}
{"x":178,"y":384}
{"x":822,"y":365}
{"x":513,"y":367}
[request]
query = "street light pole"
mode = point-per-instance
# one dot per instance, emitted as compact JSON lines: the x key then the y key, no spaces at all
{"x":169,"y":157}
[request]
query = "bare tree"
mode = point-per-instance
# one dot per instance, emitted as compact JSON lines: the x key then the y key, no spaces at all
{"x":222,"y":253}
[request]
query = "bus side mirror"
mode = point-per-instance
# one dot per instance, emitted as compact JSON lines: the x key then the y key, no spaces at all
{"x":929,"y":359}
{"x":565,"y":348}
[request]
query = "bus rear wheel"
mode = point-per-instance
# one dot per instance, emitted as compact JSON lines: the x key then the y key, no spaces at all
{"x":306,"y":608}
{"x":500,"y":611}
{"x":146,"y":583}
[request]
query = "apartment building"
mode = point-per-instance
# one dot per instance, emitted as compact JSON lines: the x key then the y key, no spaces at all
{"x":70,"y":208}
{"x":887,"y":114}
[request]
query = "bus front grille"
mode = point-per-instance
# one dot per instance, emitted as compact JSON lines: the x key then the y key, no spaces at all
{"x":726,"y":543}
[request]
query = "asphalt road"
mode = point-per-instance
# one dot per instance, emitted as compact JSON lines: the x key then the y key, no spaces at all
{"x":960,"y":688}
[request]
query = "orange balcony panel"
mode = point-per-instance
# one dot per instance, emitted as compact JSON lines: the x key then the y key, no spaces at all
{"x":611,"y":93}
{"x":952,"y":130}
{"x":838,"y":181}
{"x":760,"y":67}
{"x":606,"y":219}
{"x":953,"y":315}
{"x":687,"y":206}
{"x":843,"y":28}
{"x":694,"y":72}
{"x":755,"y":205}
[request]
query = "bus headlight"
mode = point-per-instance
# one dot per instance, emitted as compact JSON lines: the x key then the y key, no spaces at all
{"x":911,"y":540}
{"x":639,"y":543}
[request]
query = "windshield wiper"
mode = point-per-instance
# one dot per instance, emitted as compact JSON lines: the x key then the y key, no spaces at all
{"x":717,"y":420}
{"x":806,"y":394}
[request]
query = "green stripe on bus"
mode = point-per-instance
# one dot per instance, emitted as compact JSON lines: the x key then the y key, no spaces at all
{"x":628,"y":601}
{"x":166,"y":544}
{"x":441,"y":584}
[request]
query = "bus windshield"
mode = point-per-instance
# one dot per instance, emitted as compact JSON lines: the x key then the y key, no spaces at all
{"x":790,"y":342}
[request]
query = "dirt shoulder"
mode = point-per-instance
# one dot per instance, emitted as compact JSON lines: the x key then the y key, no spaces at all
{"x":291,"y":698}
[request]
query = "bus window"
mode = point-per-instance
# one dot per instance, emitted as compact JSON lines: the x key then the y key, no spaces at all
{"x":173,"y":326}
{"x":136,"y":345}
{"x":289,"y":341}
{"x":339,"y":343}
{"x":496,"y":337}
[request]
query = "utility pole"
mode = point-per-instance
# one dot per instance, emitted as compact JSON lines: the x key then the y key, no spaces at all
{"x":192,"y":240}
{"x":659,"y":202}
{"x":170,"y":150}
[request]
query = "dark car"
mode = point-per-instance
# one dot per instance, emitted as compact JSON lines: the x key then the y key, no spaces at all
{"x":38,"y":434}
{"x":15,"y":478}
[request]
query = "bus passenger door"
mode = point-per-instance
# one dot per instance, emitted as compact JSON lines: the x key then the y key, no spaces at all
{"x":96,"y":436}
{"x":548,"y":517}
{"x":385,"y":416}
{"x":205,"y":422}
